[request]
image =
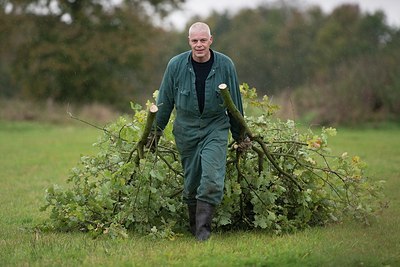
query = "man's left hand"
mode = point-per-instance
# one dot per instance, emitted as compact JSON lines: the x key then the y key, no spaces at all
{"x":244,"y":145}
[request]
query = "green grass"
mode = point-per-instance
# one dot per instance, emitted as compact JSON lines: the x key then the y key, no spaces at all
{"x":34,"y":156}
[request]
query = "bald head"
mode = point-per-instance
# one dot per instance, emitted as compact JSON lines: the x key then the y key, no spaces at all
{"x":199,"y":27}
{"x":200,"y":40}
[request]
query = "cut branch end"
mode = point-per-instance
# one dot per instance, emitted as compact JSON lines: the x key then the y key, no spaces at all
{"x":153,"y":108}
{"x":222,"y":86}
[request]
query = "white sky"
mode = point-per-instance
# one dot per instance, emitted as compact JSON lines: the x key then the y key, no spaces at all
{"x":203,"y":7}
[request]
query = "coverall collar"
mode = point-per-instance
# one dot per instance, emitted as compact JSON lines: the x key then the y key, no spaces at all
{"x":214,"y":66}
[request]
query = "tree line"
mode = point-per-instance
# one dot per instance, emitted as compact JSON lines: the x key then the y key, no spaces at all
{"x":337,"y":67}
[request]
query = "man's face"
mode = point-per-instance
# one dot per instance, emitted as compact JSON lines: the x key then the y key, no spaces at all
{"x":200,"y":42}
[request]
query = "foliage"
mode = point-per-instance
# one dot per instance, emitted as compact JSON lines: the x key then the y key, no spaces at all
{"x":93,"y":51}
{"x":342,"y":61}
{"x":99,"y":54}
{"x":354,"y":73}
{"x":301,"y":185}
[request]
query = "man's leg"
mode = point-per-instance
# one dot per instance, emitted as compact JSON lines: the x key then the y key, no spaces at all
{"x":210,"y":191}
{"x":192,"y":172}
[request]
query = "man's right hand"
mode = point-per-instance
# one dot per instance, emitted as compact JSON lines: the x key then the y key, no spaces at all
{"x":152,"y":141}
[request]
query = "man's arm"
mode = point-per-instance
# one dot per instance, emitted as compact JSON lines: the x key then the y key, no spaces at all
{"x":165,"y":99}
{"x":234,"y":91}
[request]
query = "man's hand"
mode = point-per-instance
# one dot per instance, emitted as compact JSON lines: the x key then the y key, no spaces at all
{"x":152,"y":140}
{"x":243,"y":145}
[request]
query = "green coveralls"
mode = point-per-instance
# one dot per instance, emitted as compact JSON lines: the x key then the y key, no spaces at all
{"x":201,"y":138}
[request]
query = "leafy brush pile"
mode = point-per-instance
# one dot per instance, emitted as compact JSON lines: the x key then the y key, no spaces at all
{"x":288,"y":180}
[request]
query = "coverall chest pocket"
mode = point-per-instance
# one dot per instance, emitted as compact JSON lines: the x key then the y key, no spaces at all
{"x":216,"y":103}
{"x":183,"y":99}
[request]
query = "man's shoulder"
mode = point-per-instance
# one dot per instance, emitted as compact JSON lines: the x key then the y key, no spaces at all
{"x":221,"y":55}
{"x":222,"y":58}
{"x":179,"y":59}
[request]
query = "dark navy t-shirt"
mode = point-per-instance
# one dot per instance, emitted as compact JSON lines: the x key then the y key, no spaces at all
{"x":202,"y":70}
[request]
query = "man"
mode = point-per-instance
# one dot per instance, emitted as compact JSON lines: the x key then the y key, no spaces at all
{"x":190,"y":85}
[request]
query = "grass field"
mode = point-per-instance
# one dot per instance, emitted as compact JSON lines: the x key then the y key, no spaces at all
{"x":34,"y":156}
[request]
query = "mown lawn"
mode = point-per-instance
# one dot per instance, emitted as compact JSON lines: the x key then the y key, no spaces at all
{"x":34,"y":156}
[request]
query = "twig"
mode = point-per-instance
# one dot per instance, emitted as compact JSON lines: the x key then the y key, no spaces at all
{"x":95,"y":126}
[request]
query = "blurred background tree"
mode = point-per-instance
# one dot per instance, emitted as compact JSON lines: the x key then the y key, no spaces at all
{"x":80,"y":51}
{"x":341,"y":67}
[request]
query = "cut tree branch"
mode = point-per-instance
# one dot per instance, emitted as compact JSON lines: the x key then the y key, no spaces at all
{"x":151,"y":115}
{"x":223,"y":88}
{"x":239,"y":119}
